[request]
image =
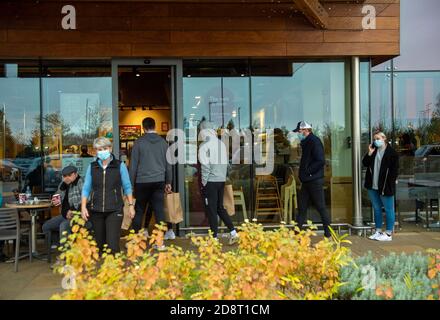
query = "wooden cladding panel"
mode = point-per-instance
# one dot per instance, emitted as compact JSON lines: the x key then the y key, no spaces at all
{"x":198,"y":29}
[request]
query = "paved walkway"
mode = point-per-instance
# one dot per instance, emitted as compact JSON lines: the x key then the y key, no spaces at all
{"x":37,"y":281}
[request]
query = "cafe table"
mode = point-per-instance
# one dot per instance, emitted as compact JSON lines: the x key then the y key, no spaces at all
{"x":427,"y":190}
{"x":33,"y":209}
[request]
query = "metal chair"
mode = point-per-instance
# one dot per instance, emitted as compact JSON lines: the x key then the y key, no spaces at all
{"x":10,"y":230}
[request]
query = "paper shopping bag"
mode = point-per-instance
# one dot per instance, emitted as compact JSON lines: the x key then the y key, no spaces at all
{"x":173,"y":208}
{"x":228,"y":199}
{"x":126,"y":220}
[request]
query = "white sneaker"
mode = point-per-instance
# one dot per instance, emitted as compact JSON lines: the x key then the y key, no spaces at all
{"x":169,"y":235}
{"x":159,"y":248}
{"x":384,"y":237}
{"x":375,"y":235}
{"x":146,"y":234}
{"x":233,"y":239}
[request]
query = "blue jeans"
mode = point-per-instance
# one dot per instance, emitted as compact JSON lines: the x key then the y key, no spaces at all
{"x":58,"y":223}
{"x":386,"y":202}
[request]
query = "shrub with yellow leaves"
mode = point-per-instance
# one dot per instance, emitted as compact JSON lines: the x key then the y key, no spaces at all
{"x":278,"y":264}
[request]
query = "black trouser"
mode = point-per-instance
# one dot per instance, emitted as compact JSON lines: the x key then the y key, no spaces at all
{"x":313,"y":192}
{"x":149,"y":215}
{"x":153,"y":194}
{"x":213,"y":200}
{"x":106,"y":227}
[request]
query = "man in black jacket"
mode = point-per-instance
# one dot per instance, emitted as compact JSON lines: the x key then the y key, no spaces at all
{"x":311,"y":175}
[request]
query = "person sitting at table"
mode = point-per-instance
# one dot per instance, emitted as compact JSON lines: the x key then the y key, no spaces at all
{"x":382,"y":163}
{"x":70,"y":190}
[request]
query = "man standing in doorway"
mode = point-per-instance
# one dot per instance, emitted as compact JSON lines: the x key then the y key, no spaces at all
{"x":311,"y":175}
{"x":150,"y":174}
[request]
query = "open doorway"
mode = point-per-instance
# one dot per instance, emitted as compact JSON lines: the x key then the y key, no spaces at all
{"x":143,"y":91}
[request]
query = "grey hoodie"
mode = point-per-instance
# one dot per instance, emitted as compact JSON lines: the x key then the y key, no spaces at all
{"x":213,"y":158}
{"x":148,"y":160}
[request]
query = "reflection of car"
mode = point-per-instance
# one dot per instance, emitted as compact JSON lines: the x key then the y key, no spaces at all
{"x":9,"y":171}
{"x":428,"y":150}
{"x":427,"y":158}
{"x":23,"y":165}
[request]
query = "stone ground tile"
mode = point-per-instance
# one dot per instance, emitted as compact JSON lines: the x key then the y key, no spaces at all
{"x":45,"y":280}
{"x":37,"y":294}
{"x":403,"y":248}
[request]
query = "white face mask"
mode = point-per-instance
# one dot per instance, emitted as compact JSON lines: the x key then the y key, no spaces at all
{"x":379,"y":143}
{"x":104,"y":154}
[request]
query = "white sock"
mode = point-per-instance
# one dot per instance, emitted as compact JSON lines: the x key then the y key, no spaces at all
{"x":379,"y":230}
{"x":233,"y":233}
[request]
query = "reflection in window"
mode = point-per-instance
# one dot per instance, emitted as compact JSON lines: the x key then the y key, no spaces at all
{"x":417,"y":133}
{"x":77,"y":108}
{"x":217,"y":91}
{"x":318,"y":94}
{"x":20,"y":143}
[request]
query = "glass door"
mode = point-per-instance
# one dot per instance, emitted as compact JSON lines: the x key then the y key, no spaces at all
{"x":145,"y":88}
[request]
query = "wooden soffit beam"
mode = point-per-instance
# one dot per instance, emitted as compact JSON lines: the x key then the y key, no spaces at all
{"x":314,"y":12}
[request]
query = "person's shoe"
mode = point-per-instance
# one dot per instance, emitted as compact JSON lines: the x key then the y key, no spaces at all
{"x":233,"y":239}
{"x":169,"y":235}
{"x":146,"y":234}
{"x":159,"y":248}
{"x":384,"y":237}
{"x":375,"y":235}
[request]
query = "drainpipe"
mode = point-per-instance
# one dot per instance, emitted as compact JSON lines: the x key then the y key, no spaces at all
{"x":356,"y":142}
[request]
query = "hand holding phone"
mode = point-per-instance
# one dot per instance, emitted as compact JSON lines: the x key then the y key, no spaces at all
{"x":371,"y":148}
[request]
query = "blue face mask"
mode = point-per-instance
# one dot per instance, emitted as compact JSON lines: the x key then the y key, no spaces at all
{"x":301,"y":136}
{"x":378,"y":143}
{"x":104,"y":154}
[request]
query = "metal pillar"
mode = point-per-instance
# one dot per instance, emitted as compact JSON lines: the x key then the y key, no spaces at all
{"x":356,"y":141}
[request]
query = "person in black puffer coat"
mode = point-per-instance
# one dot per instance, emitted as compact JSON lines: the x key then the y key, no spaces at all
{"x":382,"y":163}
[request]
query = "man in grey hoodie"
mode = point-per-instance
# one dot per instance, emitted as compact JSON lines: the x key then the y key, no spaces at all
{"x":150,"y":173}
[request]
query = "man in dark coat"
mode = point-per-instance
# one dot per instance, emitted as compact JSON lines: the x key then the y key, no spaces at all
{"x":311,"y":175}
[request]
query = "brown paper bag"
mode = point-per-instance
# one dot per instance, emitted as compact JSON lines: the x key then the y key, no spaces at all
{"x":126,"y":221}
{"x":173,"y":208}
{"x":228,"y":200}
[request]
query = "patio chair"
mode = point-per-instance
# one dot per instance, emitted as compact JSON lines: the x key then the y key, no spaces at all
{"x":10,"y":230}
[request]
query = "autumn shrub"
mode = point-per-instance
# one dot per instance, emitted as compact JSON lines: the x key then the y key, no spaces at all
{"x":394,"y":277}
{"x":275,"y":264}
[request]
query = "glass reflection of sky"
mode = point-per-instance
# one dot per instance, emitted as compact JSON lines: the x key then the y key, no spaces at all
{"x":21,"y":99}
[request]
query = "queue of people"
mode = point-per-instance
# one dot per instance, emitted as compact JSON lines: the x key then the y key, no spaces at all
{"x":99,"y":195}
{"x":150,"y":177}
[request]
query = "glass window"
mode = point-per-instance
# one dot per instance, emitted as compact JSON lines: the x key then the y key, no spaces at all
{"x":319,"y":94}
{"x":20,"y":140}
{"x":381,"y":109}
{"x":417,"y":132}
{"x":77,"y":108}
{"x":217,"y":91}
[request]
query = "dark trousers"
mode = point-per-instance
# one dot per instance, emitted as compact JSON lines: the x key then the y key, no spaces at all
{"x":149,"y":215}
{"x":213,"y":201}
{"x":106,"y":227}
{"x":313,"y":193}
{"x":153,"y":194}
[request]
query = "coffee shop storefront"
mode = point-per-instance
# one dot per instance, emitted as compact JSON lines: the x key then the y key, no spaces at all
{"x":253,"y":65}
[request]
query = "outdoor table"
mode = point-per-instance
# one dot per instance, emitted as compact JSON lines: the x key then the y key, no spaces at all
{"x":33,"y":211}
{"x":426,"y":189}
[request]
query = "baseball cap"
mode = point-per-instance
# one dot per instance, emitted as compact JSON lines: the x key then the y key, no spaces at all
{"x":69,"y":170}
{"x":302,"y":125}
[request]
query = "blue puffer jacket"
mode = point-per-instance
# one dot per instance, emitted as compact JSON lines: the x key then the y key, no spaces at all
{"x":312,"y":159}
